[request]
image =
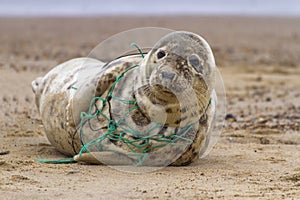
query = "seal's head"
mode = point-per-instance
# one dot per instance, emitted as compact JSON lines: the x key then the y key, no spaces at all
{"x":177,"y":78}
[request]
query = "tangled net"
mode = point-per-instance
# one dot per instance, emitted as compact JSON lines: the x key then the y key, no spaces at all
{"x":141,"y":143}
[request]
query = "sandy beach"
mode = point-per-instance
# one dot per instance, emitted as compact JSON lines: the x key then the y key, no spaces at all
{"x":256,"y":157}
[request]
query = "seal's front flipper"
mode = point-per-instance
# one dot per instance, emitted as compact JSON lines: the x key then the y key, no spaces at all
{"x":35,"y":84}
{"x":104,"y":157}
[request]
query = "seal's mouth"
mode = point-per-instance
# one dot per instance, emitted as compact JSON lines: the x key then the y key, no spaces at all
{"x":162,"y":90}
{"x":168,"y":82}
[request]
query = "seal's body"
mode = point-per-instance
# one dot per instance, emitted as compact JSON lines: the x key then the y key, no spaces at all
{"x":172,"y":87}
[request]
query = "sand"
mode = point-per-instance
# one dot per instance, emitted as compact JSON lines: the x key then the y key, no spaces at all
{"x":257,"y":155}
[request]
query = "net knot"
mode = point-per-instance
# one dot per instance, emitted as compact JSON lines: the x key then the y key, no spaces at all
{"x":108,"y":98}
{"x":112,"y":126}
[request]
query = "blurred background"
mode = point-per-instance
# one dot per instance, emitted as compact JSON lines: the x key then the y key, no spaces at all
{"x":153,"y":7}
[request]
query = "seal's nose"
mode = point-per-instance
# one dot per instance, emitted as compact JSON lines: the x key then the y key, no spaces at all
{"x":168,"y":75}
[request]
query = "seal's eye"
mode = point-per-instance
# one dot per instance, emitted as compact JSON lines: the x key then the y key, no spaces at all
{"x":161,"y":54}
{"x":194,"y":61}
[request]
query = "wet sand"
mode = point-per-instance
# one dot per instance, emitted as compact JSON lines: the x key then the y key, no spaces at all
{"x":257,"y":155}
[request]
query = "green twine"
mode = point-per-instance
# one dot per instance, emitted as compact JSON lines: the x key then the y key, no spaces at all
{"x":116,"y":130}
{"x":138,"y":48}
{"x":141,"y":141}
{"x":59,"y":161}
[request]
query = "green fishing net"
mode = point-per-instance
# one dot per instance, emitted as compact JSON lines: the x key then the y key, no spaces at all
{"x":119,"y":133}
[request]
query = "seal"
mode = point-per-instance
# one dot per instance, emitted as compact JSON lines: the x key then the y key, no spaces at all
{"x":171,"y":89}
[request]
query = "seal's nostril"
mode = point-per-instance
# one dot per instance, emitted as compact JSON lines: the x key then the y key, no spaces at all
{"x":168,"y":75}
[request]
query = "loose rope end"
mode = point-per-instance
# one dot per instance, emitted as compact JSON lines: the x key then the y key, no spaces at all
{"x":59,"y":161}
